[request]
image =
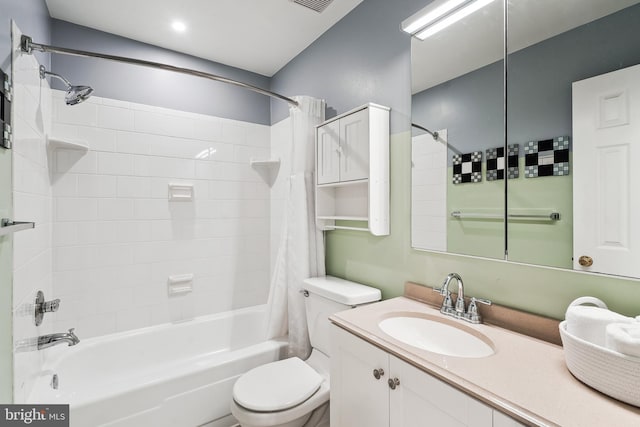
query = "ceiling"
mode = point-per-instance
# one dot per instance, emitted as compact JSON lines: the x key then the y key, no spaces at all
{"x":256,"y":35}
{"x":477,"y":40}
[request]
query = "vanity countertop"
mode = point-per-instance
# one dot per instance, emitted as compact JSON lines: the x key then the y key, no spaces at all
{"x":526,"y":378}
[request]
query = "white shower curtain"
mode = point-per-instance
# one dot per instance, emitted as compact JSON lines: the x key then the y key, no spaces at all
{"x":301,"y":249}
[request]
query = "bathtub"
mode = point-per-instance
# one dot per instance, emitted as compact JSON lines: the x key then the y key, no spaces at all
{"x":173,"y":375}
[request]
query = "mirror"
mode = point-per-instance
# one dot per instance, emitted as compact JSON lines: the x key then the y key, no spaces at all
{"x":458,"y":91}
{"x":580,"y":39}
{"x":551,"y":46}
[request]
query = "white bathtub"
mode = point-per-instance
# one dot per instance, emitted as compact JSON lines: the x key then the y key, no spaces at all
{"x":173,"y":375}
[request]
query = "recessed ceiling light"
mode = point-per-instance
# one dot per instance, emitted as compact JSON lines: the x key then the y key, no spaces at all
{"x":179,"y":26}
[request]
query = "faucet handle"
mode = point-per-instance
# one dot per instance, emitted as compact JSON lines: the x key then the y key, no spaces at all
{"x":447,"y":303}
{"x":41,"y":307}
{"x":50,"y":306}
{"x":472,"y":312}
{"x":480,"y":300}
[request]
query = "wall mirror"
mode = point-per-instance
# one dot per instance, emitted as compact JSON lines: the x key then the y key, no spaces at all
{"x":564,"y":206}
{"x":458,"y":92}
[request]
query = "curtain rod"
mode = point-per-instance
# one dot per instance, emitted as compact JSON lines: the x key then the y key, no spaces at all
{"x":28,"y":46}
{"x":433,"y":134}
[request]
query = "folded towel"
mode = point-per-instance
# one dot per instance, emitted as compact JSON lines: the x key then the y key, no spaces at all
{"x":624,"y":338}
{"x":590,"y":323}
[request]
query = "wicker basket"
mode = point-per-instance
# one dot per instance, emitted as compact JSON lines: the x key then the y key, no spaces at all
{"x":609,"y":372}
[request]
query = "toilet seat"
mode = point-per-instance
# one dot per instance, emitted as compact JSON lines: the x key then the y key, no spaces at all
{"x":276,"y":386}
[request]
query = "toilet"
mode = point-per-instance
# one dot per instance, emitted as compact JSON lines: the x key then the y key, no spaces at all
{"x":294,"y":392}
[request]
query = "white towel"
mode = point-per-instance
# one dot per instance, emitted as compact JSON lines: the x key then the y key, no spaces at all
{"x":590,"y":323}
{"x":624,"y":338}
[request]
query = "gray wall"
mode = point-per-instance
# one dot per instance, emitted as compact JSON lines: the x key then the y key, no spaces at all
{"x":540,"y":76}
{"x":32,"y":17}
{"x":470,"y":107}
{"x":363,"y":58}
{"x":152,"y":86}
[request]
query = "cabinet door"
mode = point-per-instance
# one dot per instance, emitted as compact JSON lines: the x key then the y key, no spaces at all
{"x":354,"y":146}
{"x":421,"y":400}
{"x":328,"y":153}
{"x":358,"y":398}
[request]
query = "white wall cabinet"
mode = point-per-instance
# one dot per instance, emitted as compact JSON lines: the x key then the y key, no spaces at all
{"x":352,"y":170}
{"x":328,"y":153}
{"x":371,"y":388}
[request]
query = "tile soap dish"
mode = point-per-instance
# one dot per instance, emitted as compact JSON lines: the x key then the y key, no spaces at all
{"x":605,"y":370}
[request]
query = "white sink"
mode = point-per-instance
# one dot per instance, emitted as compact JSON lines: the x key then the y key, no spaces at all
{"x":437,"y":336}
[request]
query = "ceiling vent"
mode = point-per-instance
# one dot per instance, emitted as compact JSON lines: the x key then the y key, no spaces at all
{"x":317,"y":5}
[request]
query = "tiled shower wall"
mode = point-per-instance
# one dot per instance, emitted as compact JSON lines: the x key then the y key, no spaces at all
{"x":32,"y":201}
{"x":429,"y":193}
{"x":117,"y":237}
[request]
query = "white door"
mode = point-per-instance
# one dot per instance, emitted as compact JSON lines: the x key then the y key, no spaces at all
{"x":354,"y":146}
{"x":328,"y":153}
{"x":420,"y":400}
{"x":358,"y":398}
{"x":606,"y":173}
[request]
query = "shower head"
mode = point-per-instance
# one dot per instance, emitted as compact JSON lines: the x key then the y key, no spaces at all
{"x":75,"y":94}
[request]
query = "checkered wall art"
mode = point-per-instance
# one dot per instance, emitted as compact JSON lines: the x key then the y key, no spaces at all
{"x":495,"y":162}
{"x":467,"y":167}
{"x":549,"y":157}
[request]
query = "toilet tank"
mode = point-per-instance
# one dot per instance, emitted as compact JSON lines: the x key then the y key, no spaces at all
{"x":327,"y":295}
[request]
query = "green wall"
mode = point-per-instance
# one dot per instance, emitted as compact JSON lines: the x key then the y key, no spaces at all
{"x":479,"y":237}
{"x":547,"y":243}
{"x":539,"y":242}
{"x":388,"y":262}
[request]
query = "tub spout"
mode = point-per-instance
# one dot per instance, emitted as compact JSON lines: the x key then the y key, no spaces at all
{"x":46,"y":341}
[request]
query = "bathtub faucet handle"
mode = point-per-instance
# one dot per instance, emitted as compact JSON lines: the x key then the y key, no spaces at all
{"x":50,"y":306}
{"x":42,"y":307}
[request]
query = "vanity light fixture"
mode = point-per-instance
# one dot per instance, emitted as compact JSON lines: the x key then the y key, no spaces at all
{"x":438,"y":15}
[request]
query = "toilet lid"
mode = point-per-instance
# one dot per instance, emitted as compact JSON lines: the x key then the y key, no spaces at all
{"x":276,"y":386}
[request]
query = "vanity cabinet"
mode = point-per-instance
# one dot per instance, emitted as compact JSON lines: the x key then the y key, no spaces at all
{"x":372,"y":388}
{"x":358,"y":397}
{"x":352,"y":170}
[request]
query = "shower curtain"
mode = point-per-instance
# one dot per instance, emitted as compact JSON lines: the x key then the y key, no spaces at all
{"x":301,"y":249}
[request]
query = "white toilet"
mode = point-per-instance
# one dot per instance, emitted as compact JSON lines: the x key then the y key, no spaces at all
{"x":287,"y":392}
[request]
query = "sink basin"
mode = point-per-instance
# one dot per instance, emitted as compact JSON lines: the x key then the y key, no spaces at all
{"x":437,"y":336}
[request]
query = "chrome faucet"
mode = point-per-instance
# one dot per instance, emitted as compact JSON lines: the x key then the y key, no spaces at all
{"x":46,"y":341}
{"x":459,"y":312}
{"x":460,"y":309}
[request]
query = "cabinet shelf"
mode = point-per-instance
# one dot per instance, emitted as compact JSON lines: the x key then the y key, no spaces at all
{"x":343,"y":227}
{"x":344,"y":218}
{"x":344,"y":183}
